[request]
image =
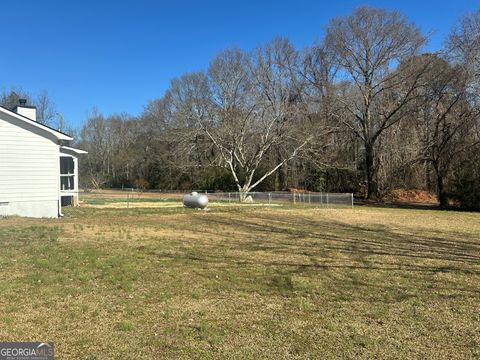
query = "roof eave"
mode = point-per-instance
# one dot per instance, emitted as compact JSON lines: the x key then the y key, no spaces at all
{"x":74,"y":150}
{"x":59,"y":135}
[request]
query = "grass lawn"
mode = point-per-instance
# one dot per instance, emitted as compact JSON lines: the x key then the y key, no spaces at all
{"x":244,"y":282}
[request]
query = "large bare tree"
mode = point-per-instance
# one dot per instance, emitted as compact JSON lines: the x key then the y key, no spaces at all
{"x":367,"y":46}
{"x":247,"y":105}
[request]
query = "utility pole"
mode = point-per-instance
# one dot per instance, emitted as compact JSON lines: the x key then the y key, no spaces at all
{"x":60,"y":121}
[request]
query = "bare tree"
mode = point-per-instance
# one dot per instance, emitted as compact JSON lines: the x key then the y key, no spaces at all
{"x":455,"y":141}
{"x":46,"y":109}
{"x":463,"y":46}
{"x":334,"y":147}
{"x":446,"y":118}
{"x":94,"y":139}
{"x":366,"y":46}
{"x":10,"y":99}
{"x":245,"y":107}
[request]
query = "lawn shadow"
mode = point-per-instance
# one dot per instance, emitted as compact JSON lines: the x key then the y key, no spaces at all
{"x":362,"y":259}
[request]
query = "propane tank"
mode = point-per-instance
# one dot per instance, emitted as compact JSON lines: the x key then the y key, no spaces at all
{"x":195,"y":200}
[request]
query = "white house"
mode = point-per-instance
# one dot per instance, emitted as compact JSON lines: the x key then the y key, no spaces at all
{"x":38,"y":170}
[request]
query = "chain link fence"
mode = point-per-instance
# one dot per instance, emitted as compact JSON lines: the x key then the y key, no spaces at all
{"x":300,"y":198}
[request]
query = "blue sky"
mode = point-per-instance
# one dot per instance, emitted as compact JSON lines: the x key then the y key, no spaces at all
{"x":116,"y":55}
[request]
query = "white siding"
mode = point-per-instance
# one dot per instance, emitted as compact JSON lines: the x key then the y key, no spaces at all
{"x":29,"y":168}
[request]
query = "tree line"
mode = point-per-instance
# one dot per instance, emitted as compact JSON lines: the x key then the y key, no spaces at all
{"x":363,"y":110}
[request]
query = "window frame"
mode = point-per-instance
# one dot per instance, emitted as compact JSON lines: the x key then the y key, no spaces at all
{"x":69,"y":176}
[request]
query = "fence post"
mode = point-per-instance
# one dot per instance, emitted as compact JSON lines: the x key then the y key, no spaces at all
{"x":309,"y":198}
{"x":228,"y":197}
{"x":327,"y":199}
{"x":269,"y":198}
{"x":352,"y":200}
{"x":321,"y":198}
{"x":293,"y":197}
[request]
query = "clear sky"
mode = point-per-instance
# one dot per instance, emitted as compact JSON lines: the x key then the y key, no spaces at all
{"x":116,"y":55}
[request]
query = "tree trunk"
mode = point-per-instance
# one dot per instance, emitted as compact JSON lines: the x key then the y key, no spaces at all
{"x":280,"y":178}
{"x":441,"y":194}
{"x":280,"y":183}
{"x":370,"y":172}
{"x":242,"y":194}
{"x":428,"y":177}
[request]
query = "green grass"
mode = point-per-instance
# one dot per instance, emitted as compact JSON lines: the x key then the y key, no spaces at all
{"x":244,"y":282}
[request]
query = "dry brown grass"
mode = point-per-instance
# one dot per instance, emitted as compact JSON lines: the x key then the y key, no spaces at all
{"x":244,"y":282}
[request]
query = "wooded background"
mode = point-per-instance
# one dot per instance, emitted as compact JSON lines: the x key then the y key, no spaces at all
{"x":364,"y":110}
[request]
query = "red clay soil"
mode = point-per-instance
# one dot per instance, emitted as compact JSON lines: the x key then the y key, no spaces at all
{"x":411,"y":196}
{"x":296,"y":190}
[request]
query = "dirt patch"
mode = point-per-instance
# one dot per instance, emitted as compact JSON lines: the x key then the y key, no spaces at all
{"x":411,"y":196}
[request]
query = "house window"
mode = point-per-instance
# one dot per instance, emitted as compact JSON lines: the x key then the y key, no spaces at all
{"x":67,"y":171}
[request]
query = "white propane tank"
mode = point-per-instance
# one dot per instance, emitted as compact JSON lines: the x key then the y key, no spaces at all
{"x":195,"y":200}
